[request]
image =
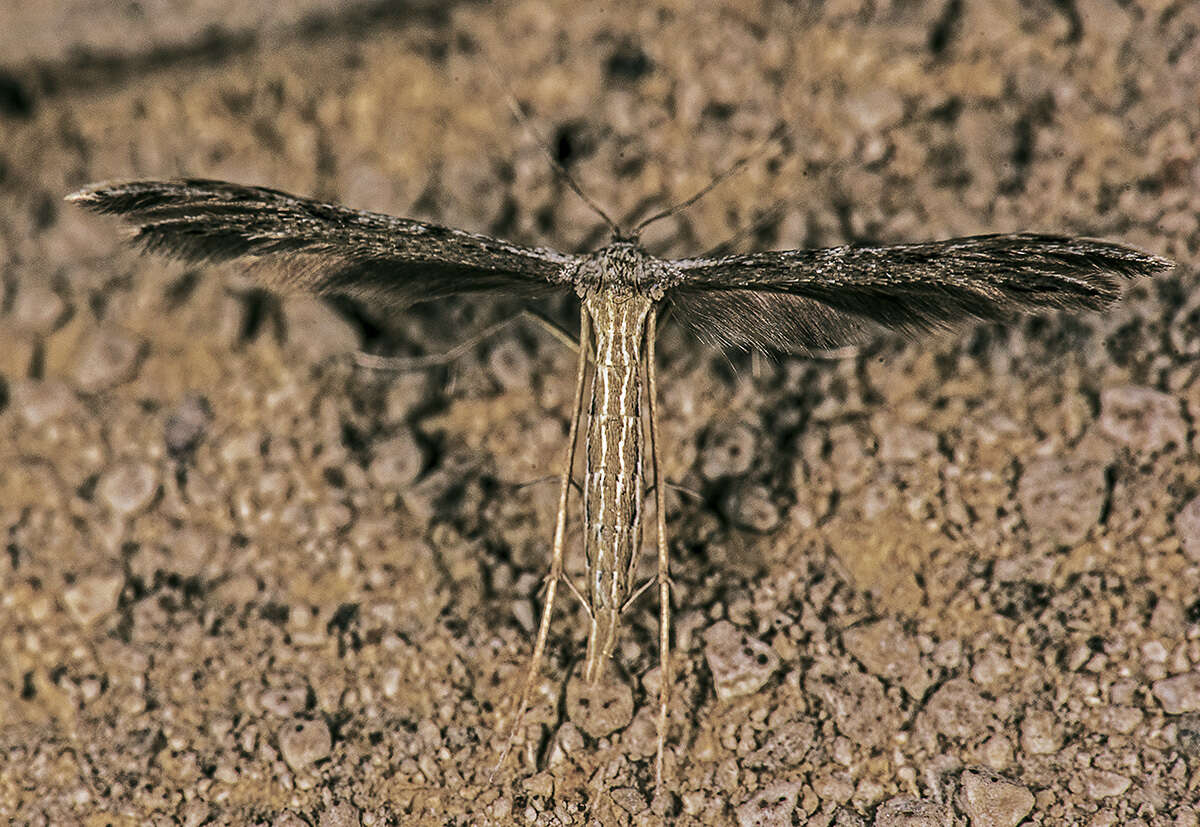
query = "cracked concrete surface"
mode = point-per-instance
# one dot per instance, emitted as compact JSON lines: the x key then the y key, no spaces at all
{"x":247,"y":582}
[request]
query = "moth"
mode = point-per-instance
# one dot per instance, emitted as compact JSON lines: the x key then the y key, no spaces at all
{"x":770,"y":301}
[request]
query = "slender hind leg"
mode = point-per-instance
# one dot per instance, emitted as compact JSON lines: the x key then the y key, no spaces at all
{"x":556,"y":557}
{"x":664,"y":563}
{"x":401,"y":364}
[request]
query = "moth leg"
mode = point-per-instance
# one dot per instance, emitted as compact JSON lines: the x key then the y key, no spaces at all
{"x":554,"y":478}
{"x":664,"y":563}
{"x":674,"y":486}
{"x":556,"y":556}
{"x":403,"y":364}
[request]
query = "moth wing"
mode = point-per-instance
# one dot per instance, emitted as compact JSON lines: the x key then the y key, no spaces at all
{"x":830,"y":297}
{"x":301,"y":245}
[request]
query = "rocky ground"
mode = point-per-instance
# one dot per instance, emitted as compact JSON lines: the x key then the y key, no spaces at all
{"x":245,"y":581}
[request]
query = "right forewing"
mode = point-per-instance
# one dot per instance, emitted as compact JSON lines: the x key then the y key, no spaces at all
{"x":298,"y":244}
{"x":830,"y":297}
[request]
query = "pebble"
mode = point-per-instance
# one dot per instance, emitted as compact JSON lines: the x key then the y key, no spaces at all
{"x":861,"y":709}
{"x":900,"y":442}
{"x":289,"y":819}
{"x":41,"y":402}
{"x":729,"y":450}
{"x":303,"y":743}
{"x":740,"y":665}
{"x":629,"y":800}
{"x":511,"y":365}
{"x":990,"y":800}
{"x":601,"y":708}
{"x":1040,"y":732}
{"x":316,"y":329}
{"x":752,"y":507}
{"x":186,"y":425}
{"x":956,"y":710}
{"x":1187,"y":735}
{"x":1105,"y":784}
{"x":129,"y":487}
{"x":341,"y":814}
{"x":1187,"y":529}
{"x":397,"y":462}
{"x":1179,"y":694}
{"x":772,"y":806}
{"x":1144,"y":419}
{"x":567,"y":740}
{"x":904,"y":811}
{"x":874,"y":110}
{"x":37,"y":308}
{"x":1062,"y":499}
{"x":91,"y":598}
{"x":887,"y":651}
{"x":786,"y":746}
{"x":285,"y":702}
{"x":106,"y":359}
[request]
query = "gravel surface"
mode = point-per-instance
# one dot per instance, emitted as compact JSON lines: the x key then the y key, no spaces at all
{"x":247,"y":581}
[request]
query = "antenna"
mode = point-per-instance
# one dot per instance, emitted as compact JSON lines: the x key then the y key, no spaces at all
{"x":544,"y":146}
{"x":735,"y":168}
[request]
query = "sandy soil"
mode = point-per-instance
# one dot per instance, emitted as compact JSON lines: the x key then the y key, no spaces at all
{"x":953,"y":581}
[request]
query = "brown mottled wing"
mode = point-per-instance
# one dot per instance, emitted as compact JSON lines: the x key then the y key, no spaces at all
{"x":812,"y":299}
{"x":297,"y":244}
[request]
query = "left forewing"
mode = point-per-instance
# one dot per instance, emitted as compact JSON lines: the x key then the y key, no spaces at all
{"x":830,"y":297}
{"x":299,"y":244}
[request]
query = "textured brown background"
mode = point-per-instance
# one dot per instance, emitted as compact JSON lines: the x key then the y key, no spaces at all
{"x":974,"y":560}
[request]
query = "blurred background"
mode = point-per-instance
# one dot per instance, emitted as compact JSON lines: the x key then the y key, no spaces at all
{"x":246,"y":581}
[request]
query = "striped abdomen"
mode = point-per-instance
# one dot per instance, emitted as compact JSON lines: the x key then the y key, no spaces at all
{"x":613,"y":487}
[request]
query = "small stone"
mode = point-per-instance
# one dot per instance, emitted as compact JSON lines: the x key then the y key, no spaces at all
{"x":956,"y":710}
{"x":786,"y":747}
{"x":1062,"y":499}
{"x":303,"y":743}
{"x":40,"y":402}
{"x":997,"y":753}
{"x":566,"y":741}
{"x":285,"y":702}
{"x":1187,"y":529}
{"x":1040,"y":732}
{"x":1179,"y":694}
{"x":541,"y":785}
{"x":601,"y":708}
{"x":511,"y":365}
{"x":860,"y":706}
{"x":341,"y":814}
{"x":93,"y":597}
{"x":1187,"y":735}
{"x":740,"y":664}
{"x":186,"y":425}
{"x":752,"y":507}
{"x":989,"y":800}
{"x":887,"y":651}
{"x":129,"y":487}
{"x":1144,"y":419}
{"x":874,"y":110}
{"x":629,"y":800}
{"x":728,"y":451}
{"x":1105,"y":784}
{"x":106,"y":359}
{"x":990,"y":667}
{"x":904,"y":811}
{"x":289,"y":819}
{"x":37,"y":308}
{"x":901,"y":443}
{"x":316,"y":329}
{"x":397,"y":462}
{"x":772,"y":806}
